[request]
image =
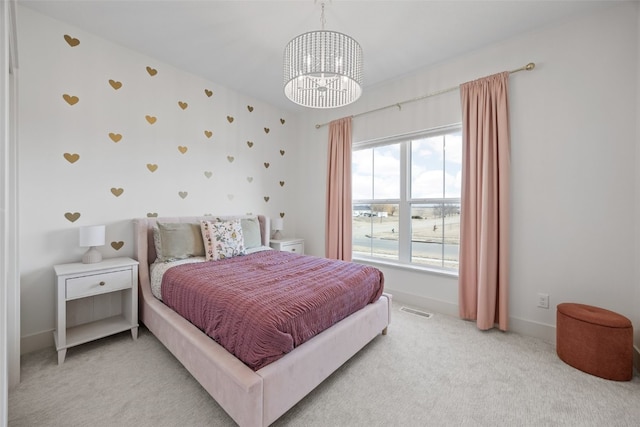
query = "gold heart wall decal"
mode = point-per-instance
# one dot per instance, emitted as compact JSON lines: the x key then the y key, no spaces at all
{"x":281,"y":121}
{"x":73,"y":42}
{"x":183,"y":194}
{"x":208,"y":133}
{"x":230,"y":159}
{"x":182,"y":149}
{"x":73,"y":217}
{"x":151,"y":119}
{"x":152,"y":167}
{"x":71,"y":99}
{"x":208,"y":92}
{"x":250,"y":144}
{"x":281,"y":183}
{"x":152,"y":214}
{"x":208,"y":174}
{"x":266,"y":130}
{"x":250,"y":108}
{"x":281,"y":214}
{"x":230,"y":119}
{"x":115,"y":84}
{"x":266,"y":198}
{"x":115,"y":137}
{"x":266,"y":165}
{"x":117,"y":191}
{"x":71,"y":158}
{"x":152,"y":71}
{"x":183,"y":105}
{"x":250,"y":179}
{"x":117,"y":245}
{"x":282,"y":152}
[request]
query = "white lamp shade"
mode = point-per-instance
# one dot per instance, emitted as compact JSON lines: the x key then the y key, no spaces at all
{"x":277,"y":224}
{"x":92,"y":236}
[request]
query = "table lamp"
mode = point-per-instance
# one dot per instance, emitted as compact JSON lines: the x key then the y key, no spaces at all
{"x":92,"y":236}
{"x":277,"y":224}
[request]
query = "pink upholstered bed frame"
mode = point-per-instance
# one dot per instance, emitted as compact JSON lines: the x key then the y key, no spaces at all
{"x":251,"y":398}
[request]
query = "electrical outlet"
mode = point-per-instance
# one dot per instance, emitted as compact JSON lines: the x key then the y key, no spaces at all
{"x":543,"y":300}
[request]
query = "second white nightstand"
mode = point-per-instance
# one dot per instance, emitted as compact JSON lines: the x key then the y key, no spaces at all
{"x":94,"y":301}
{"x":288,"y":245}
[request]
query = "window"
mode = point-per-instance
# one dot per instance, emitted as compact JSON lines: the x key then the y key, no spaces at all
{"x":406,"y":198}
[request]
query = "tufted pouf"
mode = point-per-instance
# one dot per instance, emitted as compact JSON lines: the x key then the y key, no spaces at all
{"x":594,"y":340}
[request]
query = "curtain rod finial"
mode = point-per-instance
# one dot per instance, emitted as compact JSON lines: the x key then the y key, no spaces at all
{"x":530,"y":66}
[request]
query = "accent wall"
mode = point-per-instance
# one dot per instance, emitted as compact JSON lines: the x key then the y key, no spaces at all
{"x":107,"y":135}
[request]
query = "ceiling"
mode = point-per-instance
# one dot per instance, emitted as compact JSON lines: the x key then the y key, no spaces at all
{"x":239,"y":44}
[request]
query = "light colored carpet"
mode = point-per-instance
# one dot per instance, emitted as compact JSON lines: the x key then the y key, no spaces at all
{"x":426,"y":372}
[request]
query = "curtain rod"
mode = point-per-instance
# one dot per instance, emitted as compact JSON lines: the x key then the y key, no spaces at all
{"x":530,"y":66}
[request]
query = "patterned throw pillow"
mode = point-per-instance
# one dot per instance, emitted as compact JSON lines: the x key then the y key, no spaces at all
{"x":222,"y":239}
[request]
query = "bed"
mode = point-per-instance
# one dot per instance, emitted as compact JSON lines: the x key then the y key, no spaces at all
{"x":251,"y":397}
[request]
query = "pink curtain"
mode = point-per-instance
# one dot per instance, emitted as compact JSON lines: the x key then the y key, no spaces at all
{"x":484,"y":221}
{"x":338,"y":221}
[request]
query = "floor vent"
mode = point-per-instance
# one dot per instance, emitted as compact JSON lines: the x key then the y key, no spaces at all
{"x":416,"y":312}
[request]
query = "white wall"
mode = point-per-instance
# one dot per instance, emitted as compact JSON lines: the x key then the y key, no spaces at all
{"x":4,"y":149}
{"x":9,"y":287}
{"x":260,"y":141}
{"x":574,"y":136}
{"x":636,"y":319}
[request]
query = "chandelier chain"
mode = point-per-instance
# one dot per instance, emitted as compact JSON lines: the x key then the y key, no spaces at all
{"x":323,"y":21}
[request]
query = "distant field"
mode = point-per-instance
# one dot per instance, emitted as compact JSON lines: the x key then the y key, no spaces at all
{"x":426,"y":230}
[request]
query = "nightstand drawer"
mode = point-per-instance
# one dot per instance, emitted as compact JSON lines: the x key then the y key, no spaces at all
{"x":296,"y":248}
{"x":292,"y":245}
{"x":96,"y":284}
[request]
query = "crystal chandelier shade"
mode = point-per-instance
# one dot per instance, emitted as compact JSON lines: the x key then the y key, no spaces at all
{"x":323,"y":69}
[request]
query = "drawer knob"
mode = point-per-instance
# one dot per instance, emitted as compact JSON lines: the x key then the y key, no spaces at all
{"x":102,"y":283}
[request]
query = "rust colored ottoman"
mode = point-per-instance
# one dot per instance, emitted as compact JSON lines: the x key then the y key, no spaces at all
{"x":594,"y":340}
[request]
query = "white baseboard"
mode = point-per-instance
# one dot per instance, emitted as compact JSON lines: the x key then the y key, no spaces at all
{"x":38,"y":341}
{"x":520,"y":326}
{"x":424,"y":303}
{"x":542,"y":331}
{"x":533,"y":329}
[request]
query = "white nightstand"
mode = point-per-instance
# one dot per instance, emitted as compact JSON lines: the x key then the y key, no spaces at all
{"x":288,"y":245}
{"x":94,"y":301}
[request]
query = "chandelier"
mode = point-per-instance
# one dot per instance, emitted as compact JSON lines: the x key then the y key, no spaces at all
{"x":323,"y":69}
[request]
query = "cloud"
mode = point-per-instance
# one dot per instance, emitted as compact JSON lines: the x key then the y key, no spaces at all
{"x":428,"y":156}
{"x":386,"y":184}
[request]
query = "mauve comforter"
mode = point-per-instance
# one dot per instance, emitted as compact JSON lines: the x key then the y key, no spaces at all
{"x":261,"y":306}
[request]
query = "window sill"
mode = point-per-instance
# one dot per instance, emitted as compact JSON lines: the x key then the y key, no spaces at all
{"x":408,"y":267}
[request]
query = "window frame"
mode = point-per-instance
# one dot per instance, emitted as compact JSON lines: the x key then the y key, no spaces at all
{"x":405,"y":202}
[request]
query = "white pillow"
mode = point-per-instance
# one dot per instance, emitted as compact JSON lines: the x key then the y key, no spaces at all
{"x":251,"y":232}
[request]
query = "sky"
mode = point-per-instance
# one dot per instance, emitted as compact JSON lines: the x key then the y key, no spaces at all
{"x":428,"y":159}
